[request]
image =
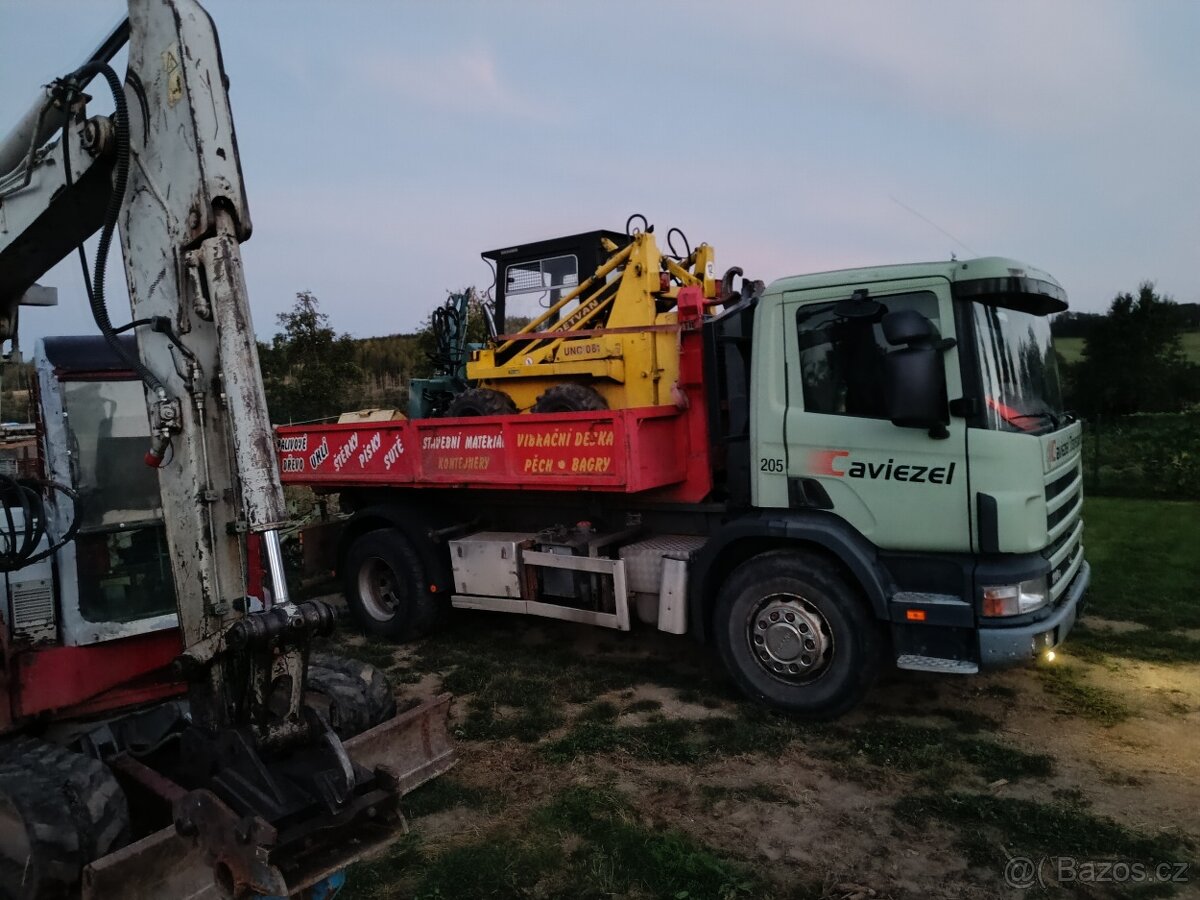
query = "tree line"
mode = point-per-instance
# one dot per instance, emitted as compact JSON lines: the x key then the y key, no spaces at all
{"x":1133,"y":360}
{"x":311,"y":372}
{"x":1133,"y":356}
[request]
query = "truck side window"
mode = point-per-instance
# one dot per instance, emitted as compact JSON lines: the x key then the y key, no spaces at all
{"x":841,"y":360}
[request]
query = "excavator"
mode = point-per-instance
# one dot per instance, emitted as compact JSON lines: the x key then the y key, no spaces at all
{"x":169,"y":723}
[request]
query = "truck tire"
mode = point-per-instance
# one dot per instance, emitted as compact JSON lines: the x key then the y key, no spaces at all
{"x":569,"y":398}
{"x":40,"y":855}
{"x":481,"y":402}
{"x":386,"y":586}
{"x":795,"y":635}
{"x":339,"y":678}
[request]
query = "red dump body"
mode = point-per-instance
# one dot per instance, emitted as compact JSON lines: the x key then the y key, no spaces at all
{"x":662,"y":449}
{"x":627,"y":451}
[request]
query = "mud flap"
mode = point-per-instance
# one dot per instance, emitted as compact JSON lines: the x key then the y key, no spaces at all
{"x":404,"y":753}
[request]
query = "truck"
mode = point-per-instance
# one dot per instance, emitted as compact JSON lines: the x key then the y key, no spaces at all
{"x":170,"y":724}
{"x":819,"y":476}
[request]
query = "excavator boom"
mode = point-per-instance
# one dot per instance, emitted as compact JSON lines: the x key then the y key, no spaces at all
{"x":263,"y":790}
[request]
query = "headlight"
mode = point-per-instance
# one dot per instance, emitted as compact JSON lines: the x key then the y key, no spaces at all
{"x":1015,"y":599}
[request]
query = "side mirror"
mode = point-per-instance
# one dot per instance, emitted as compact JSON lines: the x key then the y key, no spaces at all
{"x":915,"y":388}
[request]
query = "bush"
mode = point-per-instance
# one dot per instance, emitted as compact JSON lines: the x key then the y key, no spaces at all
{"x":1148,"y":455}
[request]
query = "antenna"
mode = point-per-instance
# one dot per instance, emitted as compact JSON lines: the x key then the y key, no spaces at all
{"x":930,"y":221}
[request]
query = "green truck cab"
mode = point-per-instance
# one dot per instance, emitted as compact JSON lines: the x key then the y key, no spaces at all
{"x":909,"y":421}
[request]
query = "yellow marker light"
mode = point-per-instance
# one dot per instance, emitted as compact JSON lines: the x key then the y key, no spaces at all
{"x":1050,"y":656}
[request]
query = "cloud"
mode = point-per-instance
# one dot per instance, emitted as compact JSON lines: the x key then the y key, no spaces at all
{"x":460,"y":80}
{"x":1001,"y":64}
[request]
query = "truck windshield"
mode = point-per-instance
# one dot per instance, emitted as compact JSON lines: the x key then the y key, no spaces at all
{"x":1018,"y":368}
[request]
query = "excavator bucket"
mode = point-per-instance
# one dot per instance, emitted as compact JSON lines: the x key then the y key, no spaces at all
{"x":228,"y":857}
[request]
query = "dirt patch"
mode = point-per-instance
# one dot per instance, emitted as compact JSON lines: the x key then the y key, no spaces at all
{"x":798,"y":809}
{"x":1114,"y":625}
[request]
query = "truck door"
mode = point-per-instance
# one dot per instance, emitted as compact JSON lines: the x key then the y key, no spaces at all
{"x":901,"y":488}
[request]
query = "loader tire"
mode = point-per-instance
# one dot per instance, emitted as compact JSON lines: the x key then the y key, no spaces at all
{"x":481,"y":402}
{"x":570,"y":398}
{"x":40,"y":853}
{"x":97,"y":806}
{"x":378,"y":697}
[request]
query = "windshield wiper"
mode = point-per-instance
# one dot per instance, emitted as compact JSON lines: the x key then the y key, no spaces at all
{"x":1012,"y":417}
{"x":1040,"y":417}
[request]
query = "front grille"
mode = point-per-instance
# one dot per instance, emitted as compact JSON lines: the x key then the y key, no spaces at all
{"x":1067,"y":510}
{"x":1064,"y":497}
{"x":1061,"y":483}
{"x":1063,"y":539}
{"x":1060,"y":576}
{"x":1064,"y":500}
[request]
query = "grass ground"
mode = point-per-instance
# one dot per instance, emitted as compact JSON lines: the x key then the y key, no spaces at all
{"x":1147,"y":564}
{"x":1071,"y":348}
{"x":596,"y":764}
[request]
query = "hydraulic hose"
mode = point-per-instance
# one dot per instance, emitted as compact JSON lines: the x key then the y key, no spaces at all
{"x":70,"y":85}
{"x":687,"y":248}
{"x":111,"y":215}
{"x":18,"y":542}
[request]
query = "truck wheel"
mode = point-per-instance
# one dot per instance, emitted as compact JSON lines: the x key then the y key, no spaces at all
{"x":481,"y":402}
{"x":570,"y":398}
{"x":386,"y":588}
{"x":371,"y":687}
{"x":795,"y":635}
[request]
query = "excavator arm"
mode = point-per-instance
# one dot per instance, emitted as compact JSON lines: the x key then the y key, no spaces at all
{"x":265,"y":777}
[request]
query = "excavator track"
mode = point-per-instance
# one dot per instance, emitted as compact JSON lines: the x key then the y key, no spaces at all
{"x":40,"y":855}
{"x":59,"y":810}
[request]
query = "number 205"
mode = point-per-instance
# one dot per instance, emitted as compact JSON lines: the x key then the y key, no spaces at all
{"x":771,"y":465}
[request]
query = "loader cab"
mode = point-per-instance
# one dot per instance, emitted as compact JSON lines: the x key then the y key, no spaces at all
{"x":532,"y":277}
{"x":114,"y":579}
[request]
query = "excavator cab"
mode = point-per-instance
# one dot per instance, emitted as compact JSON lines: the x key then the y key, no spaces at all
{"x":114,"y":579}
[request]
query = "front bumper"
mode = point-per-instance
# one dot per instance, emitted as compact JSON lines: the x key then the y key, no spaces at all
{"x":1000,"y":647}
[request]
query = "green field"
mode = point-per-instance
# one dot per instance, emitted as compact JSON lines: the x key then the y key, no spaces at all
{"x":1071,"y":348}
{"x":1145,"y":570}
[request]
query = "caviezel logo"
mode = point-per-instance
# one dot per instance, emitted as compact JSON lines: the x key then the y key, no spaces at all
{"x":1060,"y":448}
{"x":840,"y":464}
